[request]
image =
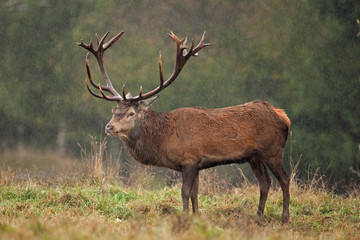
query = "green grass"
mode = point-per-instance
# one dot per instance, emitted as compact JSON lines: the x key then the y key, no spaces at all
{"x":85,"y":205}
{"x":103,"y":211}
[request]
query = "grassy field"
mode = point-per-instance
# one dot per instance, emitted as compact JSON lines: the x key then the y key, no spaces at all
{"x":91,"y":202}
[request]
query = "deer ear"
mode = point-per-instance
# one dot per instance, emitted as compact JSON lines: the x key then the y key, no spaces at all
{"x":145,"y":104}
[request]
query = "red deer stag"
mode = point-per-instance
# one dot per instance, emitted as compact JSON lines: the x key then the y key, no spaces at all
{"x":191,"y":139}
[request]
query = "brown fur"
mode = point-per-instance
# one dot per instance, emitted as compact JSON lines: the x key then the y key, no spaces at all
{"x":191,"y":139}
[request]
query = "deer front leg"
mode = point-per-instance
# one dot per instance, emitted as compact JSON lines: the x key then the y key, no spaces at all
{"x":190,"y":178}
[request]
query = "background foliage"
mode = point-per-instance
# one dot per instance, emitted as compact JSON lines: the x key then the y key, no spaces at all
{"x":302,"y":56}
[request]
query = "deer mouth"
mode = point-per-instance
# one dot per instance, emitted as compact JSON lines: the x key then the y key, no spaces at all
{"x":114,"y":133}
{"x":111,"y":132}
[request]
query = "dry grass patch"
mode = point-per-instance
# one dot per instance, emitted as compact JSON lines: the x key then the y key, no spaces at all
{"x":92,"y":205}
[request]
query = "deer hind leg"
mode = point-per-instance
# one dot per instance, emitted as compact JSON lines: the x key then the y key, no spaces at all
{"x":261,"y":174}
{"x":275,"y":165}
{"x":194,"y":194}
{"x":190,"y":175}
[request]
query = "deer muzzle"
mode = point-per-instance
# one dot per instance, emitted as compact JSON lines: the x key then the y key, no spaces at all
{"x":109,"y":129}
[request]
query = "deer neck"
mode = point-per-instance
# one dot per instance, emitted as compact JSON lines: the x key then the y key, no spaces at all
{"x":145,"y":140}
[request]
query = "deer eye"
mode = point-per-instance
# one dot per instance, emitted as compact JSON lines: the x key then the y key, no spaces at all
{"x":131,"y":114}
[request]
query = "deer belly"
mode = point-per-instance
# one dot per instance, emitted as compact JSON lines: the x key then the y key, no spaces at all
{"x":212,"y":160}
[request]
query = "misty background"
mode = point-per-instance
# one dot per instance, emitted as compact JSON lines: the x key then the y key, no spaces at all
{"x":301,"y":56}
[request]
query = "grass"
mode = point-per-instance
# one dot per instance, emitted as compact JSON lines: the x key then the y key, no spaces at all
{"x":90,"y":205}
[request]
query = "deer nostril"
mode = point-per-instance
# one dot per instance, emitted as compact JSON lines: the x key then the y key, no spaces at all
{"x":108,"y":128}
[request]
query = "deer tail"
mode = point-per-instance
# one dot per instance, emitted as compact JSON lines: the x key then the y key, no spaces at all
{"x":283,"y":116}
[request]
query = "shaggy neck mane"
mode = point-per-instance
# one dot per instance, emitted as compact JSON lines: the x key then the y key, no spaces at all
{"x":144,"y":141}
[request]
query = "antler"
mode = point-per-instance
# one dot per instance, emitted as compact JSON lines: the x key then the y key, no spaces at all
{"x":99,"y":54}
{"x":182,"y":56}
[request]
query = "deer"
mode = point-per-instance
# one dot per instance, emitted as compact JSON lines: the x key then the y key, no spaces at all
{"x":191,"y":139}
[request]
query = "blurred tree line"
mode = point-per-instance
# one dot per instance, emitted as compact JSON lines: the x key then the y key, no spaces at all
{"x":302,"y":56}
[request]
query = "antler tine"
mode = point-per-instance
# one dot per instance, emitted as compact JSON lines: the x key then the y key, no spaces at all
{"x":200,"y":45}
{"x":101,"y":42}
{"x":184,"y":42}
{"x":109,"y":98}
{"x":92,"y":93}
{"x":123,"y":92}
{"x":97,"y":38}
{"x":161,"y":72}
{"x":112,"y":41}
{"x":89,"y":72}
{"x":176,"y":39}
{"x":98,"y":86}
{"x":88,"y":47}
{"x":99,"y":53}
{"x":140,"y":94}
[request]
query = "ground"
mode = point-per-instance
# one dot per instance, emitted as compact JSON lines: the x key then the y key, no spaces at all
{"x":92,"y":204}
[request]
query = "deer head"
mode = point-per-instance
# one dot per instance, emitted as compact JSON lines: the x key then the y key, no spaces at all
{"x":126,"y":115}
{"x":129,"y":109}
